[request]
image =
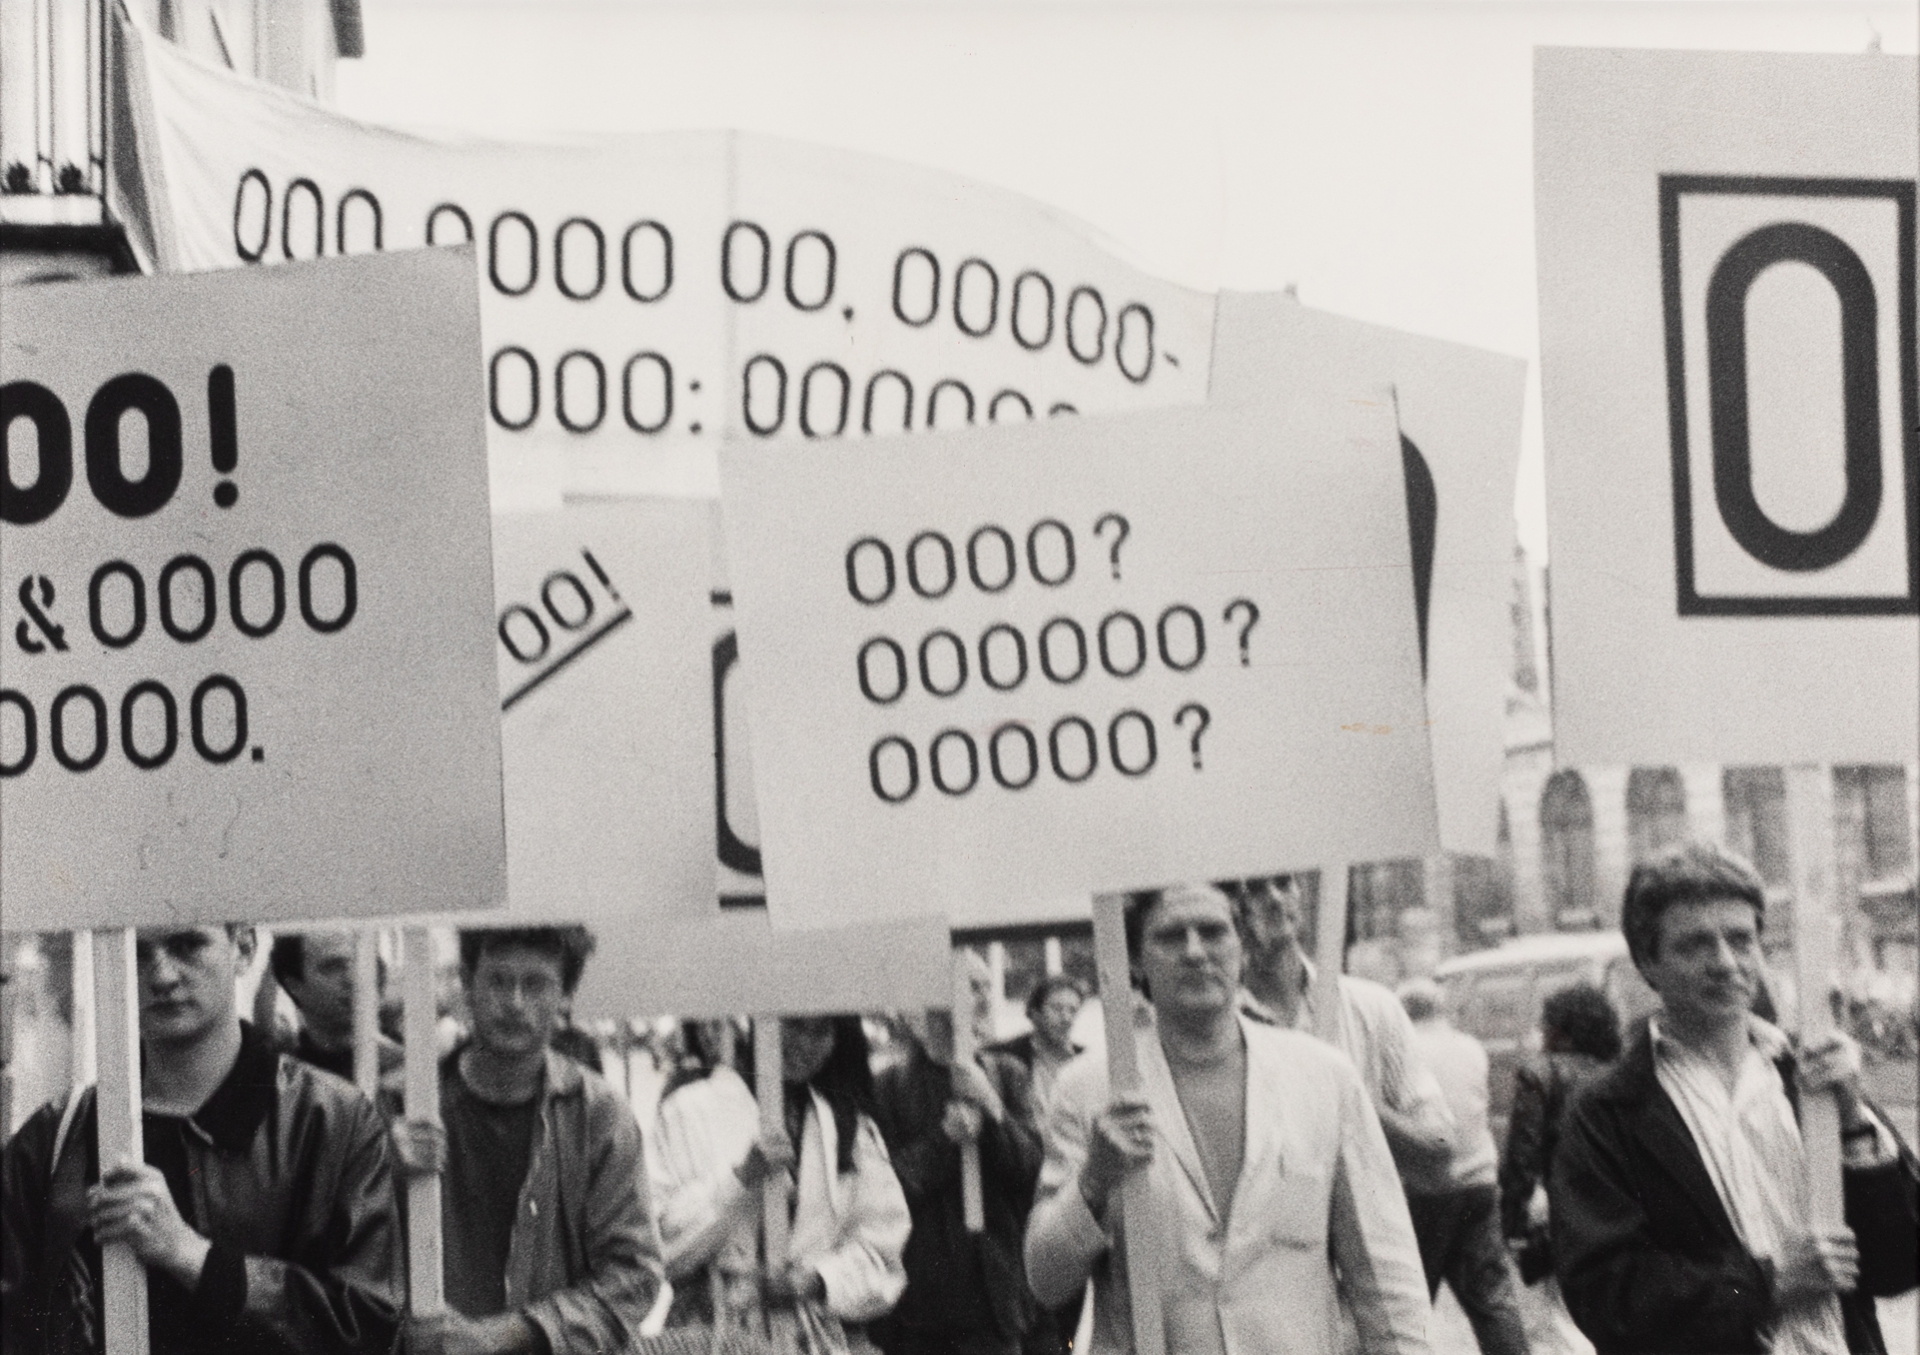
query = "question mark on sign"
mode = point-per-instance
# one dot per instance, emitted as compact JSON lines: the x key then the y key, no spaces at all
{"x":1199,"y":728}
{"x":1253,"y":619}
{"x":1119,"y":537}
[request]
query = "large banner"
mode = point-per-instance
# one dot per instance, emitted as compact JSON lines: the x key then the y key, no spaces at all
{"x":1727,"y":265}
{"x":1459,"y":410}
{"x":1013,"y":665}
{"x":246,"y":633}
{"x":644,"y":296}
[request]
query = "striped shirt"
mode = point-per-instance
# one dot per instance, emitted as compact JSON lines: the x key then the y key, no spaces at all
{"x":1749,"y":1141}
{"x":1377,"y":1035}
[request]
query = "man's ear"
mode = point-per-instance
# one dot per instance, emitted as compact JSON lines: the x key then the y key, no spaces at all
{"x":245,"y":942}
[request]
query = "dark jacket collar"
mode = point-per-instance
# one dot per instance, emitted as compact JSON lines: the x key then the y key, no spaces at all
{"x":242,"y":1101}
{"x":1633,"y":1078}
{"x":1634,"y":1085}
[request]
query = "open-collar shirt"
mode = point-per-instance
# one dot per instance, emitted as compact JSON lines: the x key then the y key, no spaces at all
{"x":1749,"y":1142}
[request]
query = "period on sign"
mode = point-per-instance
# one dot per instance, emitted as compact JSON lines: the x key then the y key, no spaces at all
{"x":994,"y":671}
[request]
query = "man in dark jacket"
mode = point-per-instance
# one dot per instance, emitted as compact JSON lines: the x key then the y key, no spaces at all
{"x":1679,"y":1198}
{"x":966,"y":1293}
{"x":263,"y":1211}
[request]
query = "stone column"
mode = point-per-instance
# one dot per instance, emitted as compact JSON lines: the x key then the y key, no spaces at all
{"x":1612,"y":851}
{"x":1706,"y":801}
{"x":1525,"y":778}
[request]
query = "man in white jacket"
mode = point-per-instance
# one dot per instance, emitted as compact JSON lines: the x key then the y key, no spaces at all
{"x":1268,"y":1166}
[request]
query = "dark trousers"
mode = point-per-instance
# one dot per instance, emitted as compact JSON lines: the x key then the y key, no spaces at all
{"x":941,"y":1343}
{"x":1460,"y":1242}
{"x":1051,"y":1332}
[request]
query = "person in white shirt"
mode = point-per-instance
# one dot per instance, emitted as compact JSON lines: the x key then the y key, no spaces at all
{"x":1456,"y":1210}
{"x":850,"y":1221}
{"x":1679,"y":1197}
{"x":1264,"y":1159}
{"x":1372,"y":1029}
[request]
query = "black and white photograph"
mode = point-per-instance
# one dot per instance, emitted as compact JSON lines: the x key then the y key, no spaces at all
{"x":1264,"y":655}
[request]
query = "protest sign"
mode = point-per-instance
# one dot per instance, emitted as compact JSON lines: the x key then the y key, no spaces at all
{"x":1018,"y":664}
{"x":248,"y":604}
{"x":643,"y":295}
{"x":601,"y":629}
{"x":736,"y":963}
{"x":1732,"y":415}
{"x":1459,"y":410}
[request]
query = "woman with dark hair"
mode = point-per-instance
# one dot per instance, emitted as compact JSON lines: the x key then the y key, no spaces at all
{"x":1580,"y":1033}
{"x":842,"y":1266}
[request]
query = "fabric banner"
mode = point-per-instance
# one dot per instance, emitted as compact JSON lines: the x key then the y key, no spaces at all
{"x":644,"y":296}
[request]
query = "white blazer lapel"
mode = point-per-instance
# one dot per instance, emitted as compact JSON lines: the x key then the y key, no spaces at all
{"x":1266,"y":1115}
{"x":1157,"y":1082}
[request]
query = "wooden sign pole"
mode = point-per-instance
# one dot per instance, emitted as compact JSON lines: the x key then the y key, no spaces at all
{"x":1810,"y":830}
{"x":426,"y":1284}
{"x":1330,"y":953}
{"x":1141,"y":1228}
{"x":117,"y":1012}
{"x":769,"y":1073}
{"x":972,"y":1206}
{"x":82,"y":1060}
{"x":366,"y":1011}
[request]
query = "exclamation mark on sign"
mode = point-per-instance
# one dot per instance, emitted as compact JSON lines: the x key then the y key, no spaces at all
{"x":223,"y":432}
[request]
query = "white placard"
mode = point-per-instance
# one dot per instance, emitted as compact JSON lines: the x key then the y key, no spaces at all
{"x":643,"y":295}
{"x":1727,"y":264}
{"x":735,"y":963}
{"x":1000,"y":668}
{"x":602,"y":633}
{"x":1459,"y":411}
{"x":246,"y":631}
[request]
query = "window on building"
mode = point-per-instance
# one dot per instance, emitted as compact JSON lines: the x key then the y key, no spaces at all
{"x":1656,"y":811}
{"x":1756,"y":808}
{"x":1483,"y":892}
{"x":1377,"y":893}
{"x":1886,"y":847}
{"x":1566,"y":849}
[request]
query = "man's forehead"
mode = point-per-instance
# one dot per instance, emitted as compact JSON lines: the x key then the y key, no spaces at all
{"x":1716,"y":914}
{"x":1189,"y":903}
{"x":162,"y":936}
{"x":328,"y":945}
{"x":512,"y":955}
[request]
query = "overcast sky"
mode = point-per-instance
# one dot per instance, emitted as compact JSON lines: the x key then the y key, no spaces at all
{"x":1378,"y":156}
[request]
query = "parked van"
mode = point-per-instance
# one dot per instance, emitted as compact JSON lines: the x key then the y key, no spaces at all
{"x":1495,"y":995}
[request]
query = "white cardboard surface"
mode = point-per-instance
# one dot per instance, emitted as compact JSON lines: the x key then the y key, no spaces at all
{"x":601,"y":650}
{"x":1313,"y":748}
{"x":1672,"y":640}
{"x":1460,"y":409}
{"x":368,"y":778}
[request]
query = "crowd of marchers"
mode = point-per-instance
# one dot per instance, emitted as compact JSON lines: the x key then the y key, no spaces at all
{"x":1309,"y":1178}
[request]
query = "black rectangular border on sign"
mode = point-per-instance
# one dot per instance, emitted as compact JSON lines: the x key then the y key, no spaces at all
{"x":1901,"y":192}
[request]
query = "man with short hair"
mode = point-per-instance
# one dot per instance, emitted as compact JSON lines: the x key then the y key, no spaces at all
{"x":315,"y":969}
{"x":548,"y":1238}
{"x":1266,"y":1162}
{"x":263,"y":1211}
{"x":1679,"y":1195}
{"x":1049,"y":1047}
{"x":1456,"y":1208}
{"x":1373,"y":1030}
